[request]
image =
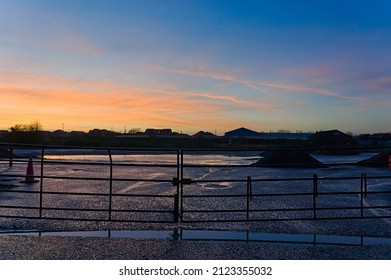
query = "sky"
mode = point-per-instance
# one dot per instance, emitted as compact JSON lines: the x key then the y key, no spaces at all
{"x":211,"y":65}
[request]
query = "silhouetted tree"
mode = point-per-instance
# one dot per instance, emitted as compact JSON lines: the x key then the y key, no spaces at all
{"x":134,"y":130}
{"x":26,"y":133}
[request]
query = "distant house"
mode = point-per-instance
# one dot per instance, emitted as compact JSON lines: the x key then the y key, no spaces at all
{"x":60,"y":134}
{"x":241,"y":133}
{"x":153,"y":131}
{"x":99,"y":133}
{"x":377,"y":139}
{"x":285,"y":135}
{"x":45,"y":133}
{"x":77,"y":134}
{"x":203,"y":134}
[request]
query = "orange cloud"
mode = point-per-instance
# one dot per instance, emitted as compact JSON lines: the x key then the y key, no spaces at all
{"x":88,"y":104}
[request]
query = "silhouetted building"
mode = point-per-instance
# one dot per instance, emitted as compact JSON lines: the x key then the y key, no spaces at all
{"x":77,"y":134}
{"x":204,"y":134}
{"x":285,"y":135}
{"x":60,"y":134}
{"x":99,"y":133}
{"x":376,"y":139}
{"x":241,"y":133}
{"x":332,"y":142}
{"x":153,"y":131}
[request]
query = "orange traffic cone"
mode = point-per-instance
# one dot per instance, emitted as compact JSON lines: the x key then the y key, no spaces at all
{"x":30,"y":173}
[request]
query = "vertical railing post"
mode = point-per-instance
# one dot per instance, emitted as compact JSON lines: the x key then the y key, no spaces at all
{"x":363,"y":192}
{"x":111,"y":183}
{"x":361,"y":199}
{"x":364,"y":185}
{"x":41,"y":182}
{"x":181,"y":184}
{"x":249,"y":196}
{"x":11,"y":154}
{"x":176,"y":208}
{"x":314,"y":194}
{"x":178,"y":198}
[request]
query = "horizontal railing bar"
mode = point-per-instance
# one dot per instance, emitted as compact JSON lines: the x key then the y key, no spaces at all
{"x":243,"y":195}
{"x":143,"y":195}
{"x":285,"y":209}
{"x":141,"y":211}
{"x":367,"y":192}
{"x":285,"y":194}
{"x":91,"y":178}
{"x":258,"y":195}
{"x":88,"y":194}
{"x":215,"y":165}
{"x":51,"y":162}
{"x":84,"y":209}
{"x":55,"y":162}
{"x":191,"y":151}
{"x":215,"y":211}
{"x":212,"y":195}
{"x":108,"y":179}
{"x":196,"y":150}
{"x":284,"y":219}
{"x":193,"y":181}
{"x":106,"y":210}
{"x":250,"y":240}
{"x":19,"y":207}
{"x":92,"y":148}
{"x":204,"y":181}
{"x":197,"y":196}
{"x":194,"y":211}
{"x":85,"y":219}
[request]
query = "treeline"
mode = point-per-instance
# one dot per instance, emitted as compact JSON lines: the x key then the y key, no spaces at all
{"x":26,"y":133}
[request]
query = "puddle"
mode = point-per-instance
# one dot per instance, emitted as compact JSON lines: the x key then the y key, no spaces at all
{"x":216,"y":186}
{"x":288,"y":239}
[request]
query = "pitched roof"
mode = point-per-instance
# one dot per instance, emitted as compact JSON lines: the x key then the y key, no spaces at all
{"x":242,"y":132}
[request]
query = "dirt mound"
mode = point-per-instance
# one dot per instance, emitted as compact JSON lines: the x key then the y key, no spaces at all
{"x":379,"y":160}
{"x":296,"y":159}
{"x":332,"y":142}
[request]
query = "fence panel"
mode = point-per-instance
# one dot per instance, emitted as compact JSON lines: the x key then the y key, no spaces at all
{"x":91,"y":185}
{"x":233,"y":192}
{"x":183,"y":186}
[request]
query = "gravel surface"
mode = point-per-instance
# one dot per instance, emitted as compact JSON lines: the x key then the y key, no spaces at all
{"x":78,"y":248}
{"x":67,"y":247}
{"x":86,"y":248}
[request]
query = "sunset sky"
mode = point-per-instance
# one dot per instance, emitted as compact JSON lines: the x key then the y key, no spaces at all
{"x":212,"y":65}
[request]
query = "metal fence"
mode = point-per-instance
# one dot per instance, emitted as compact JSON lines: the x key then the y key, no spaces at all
{"x":249,"y":201}
{"x":175,"y":194}
{"x":47,"y":199}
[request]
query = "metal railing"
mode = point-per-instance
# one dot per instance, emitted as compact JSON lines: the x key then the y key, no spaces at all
{"x":37,"y":196}
{"x":318,"y":204}
{"x":176,"y":195}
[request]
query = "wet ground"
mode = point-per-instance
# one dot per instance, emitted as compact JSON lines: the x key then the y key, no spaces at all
{"x":360,"y":238}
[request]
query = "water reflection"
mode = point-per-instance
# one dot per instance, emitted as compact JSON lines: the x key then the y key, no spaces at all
{"x":179,"y":234}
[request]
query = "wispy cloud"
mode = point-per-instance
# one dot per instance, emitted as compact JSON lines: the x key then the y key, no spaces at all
{"x":379,"y":84}
{"x":95,"y":103}
{"x":52,"y":37}
{"x":259,"y":85}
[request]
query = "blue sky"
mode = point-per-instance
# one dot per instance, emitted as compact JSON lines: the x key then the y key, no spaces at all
{"x":196,"y":65}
